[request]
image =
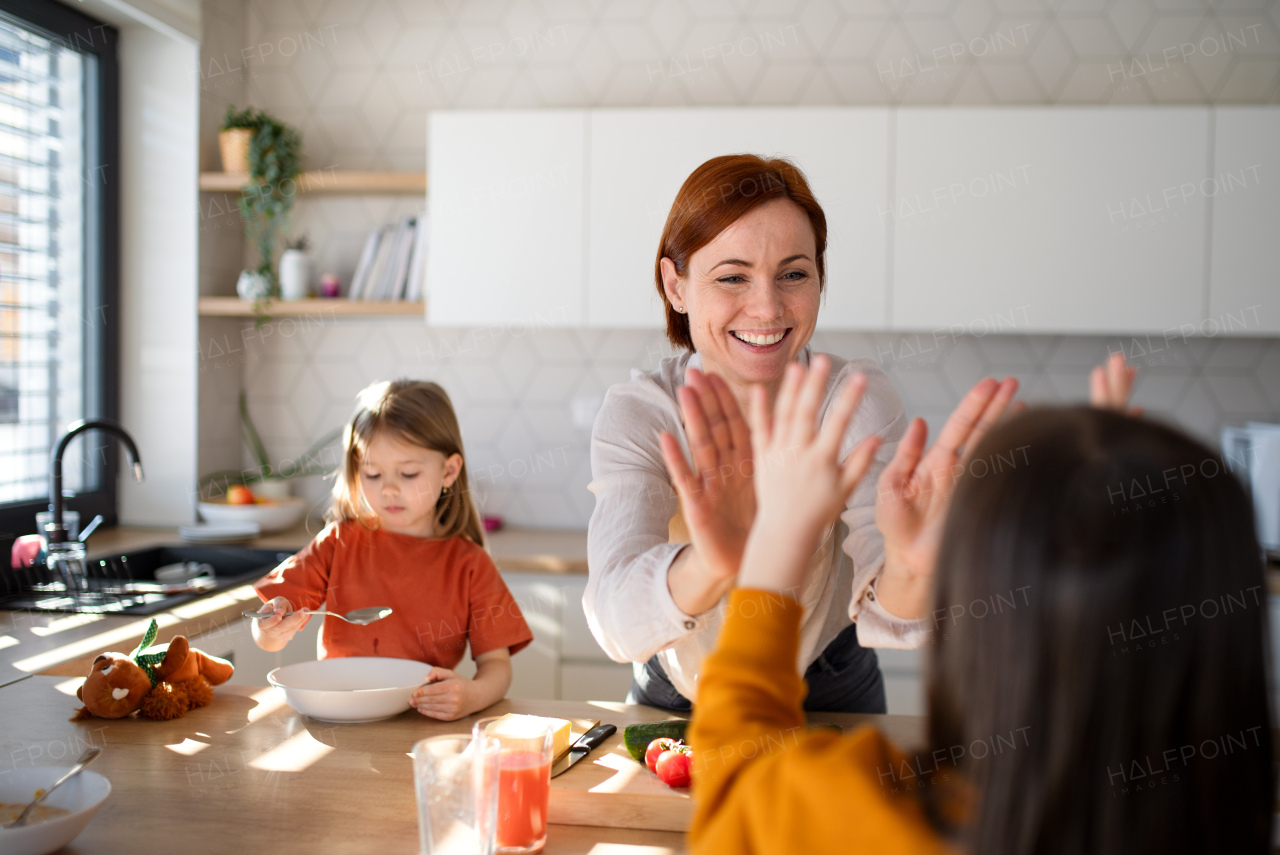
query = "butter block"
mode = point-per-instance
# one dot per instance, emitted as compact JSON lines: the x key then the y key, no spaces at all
{"x":515,"y":725}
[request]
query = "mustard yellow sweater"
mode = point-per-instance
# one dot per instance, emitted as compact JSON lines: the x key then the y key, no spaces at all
{"x":762,"y":783}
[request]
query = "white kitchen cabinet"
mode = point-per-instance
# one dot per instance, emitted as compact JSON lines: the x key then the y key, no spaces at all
{"x":1053,"y":219}
{"x":593,"y":681}
{"x":1245,"y":268}
{"x":507,"y":214}
{"x":234,"y":642}
{"x":903,"y":680}
{"x":639,"y":158}
{"x":563,"y":662}
{"x":536,"y":669}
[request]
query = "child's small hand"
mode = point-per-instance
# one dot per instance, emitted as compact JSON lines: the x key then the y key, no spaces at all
{"x":275,"y":632}
{"x":445,"y":695}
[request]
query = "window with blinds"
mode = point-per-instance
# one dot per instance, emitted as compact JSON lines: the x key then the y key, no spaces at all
{"x":42,"y":224}
{"x":55,"y":340}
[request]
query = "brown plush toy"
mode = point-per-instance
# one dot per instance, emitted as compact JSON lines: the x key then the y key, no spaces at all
{"x":161,"y":683}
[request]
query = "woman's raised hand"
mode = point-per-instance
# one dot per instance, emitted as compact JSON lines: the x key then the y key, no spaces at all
{"x":1111,"y":385}
{"x":716,"y":495}
{"x":915,"y":491}
{"x":801,"y":483}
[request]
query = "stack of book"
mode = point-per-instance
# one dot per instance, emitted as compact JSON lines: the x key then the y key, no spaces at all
{"x":393,"y":262}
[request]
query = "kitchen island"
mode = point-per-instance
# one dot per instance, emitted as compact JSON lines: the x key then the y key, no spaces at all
{"x":247,"y":773}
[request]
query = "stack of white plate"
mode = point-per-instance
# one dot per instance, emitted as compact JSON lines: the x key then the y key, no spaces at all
{"x":223,"y":532}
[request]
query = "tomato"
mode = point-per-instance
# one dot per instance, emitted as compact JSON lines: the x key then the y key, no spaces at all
{"x":239,"y":494}
{"x":673,"y":767}
{"x":656,"y":748}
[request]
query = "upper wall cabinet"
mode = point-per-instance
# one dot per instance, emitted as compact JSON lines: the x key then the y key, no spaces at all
{"x":1049,"y":219}
{"x":1244,"y":284}
{"x":640,"y":158}
{"x":507,"y":216}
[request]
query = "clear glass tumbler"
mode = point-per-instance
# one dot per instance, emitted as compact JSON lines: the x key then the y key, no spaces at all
{"x":524,"y":782}
{"x":456,"y":779}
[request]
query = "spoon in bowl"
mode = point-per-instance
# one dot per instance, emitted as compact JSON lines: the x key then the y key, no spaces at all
{"x":90,"y":754}
{"x":360,"y":617}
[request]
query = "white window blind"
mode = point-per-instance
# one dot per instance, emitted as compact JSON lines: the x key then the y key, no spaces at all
{"x":43,"y":317}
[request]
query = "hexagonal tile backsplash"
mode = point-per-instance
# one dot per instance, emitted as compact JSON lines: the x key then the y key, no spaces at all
{"x":359,"y":76}
{"x":516,"y":390}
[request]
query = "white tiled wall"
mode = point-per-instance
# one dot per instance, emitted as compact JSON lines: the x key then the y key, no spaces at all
{"x":515,"y":389}
{"x":359,"y":76}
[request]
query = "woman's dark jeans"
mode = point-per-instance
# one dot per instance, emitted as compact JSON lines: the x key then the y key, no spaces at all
{"x":845,"y":678}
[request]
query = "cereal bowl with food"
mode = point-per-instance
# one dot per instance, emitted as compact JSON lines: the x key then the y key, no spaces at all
{"x":58,"y":819}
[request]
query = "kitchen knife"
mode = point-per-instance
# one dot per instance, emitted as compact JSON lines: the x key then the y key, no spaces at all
{"x":589,"y":740}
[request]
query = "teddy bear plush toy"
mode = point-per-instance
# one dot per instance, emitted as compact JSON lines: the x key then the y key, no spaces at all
{"x":162,"y":682}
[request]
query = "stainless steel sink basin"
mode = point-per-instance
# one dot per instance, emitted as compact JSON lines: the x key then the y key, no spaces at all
{"x":126,"y":584}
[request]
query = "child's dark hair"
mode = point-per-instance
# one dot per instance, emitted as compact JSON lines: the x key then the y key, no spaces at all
{"x":418,"y":412}
{"x":1099,"y":666}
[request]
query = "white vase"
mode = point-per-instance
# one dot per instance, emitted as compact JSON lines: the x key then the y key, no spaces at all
{"x":275,"y":489}
{"x":253,"y":285}
{"x":295,"y":275}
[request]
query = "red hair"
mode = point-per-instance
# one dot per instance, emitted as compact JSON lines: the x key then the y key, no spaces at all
{"x":715,"y":196}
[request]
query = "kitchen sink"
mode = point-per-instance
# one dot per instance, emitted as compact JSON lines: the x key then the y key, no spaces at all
{"x":126,"y":584}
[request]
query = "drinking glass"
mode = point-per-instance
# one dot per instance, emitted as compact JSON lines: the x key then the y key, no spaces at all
{"x":524,"y":784}
{"x":456,"y":779}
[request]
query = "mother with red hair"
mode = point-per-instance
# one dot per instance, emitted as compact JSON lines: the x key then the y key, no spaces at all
{"x":741,"y":271}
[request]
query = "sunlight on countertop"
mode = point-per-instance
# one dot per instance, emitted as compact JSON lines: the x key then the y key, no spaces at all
{"x":293,"y":755}
{"x":92,"y":644}
{"x":62,"y":624}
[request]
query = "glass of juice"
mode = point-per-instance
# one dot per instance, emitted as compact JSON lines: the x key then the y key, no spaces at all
{"x":524,"y":781}
{"x":456,"y":779}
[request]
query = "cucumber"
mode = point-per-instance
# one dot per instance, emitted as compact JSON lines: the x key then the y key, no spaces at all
{"x":638,"y":736}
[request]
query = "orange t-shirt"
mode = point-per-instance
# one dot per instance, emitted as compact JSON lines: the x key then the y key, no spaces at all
{"x":444,"y":593}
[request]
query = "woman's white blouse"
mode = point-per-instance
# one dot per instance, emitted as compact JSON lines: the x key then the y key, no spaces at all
{"x":628,"y":605}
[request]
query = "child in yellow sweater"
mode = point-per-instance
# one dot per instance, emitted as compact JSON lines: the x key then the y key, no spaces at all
{"x":1096,"y":682}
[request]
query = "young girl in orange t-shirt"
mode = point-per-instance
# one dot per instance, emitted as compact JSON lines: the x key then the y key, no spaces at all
{"x":403,"y":532}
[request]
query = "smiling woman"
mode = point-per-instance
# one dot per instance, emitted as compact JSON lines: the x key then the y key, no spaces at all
{"x":740,"y":268}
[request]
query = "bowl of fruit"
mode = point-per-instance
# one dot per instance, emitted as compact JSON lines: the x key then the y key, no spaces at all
{"x":241,"y":505}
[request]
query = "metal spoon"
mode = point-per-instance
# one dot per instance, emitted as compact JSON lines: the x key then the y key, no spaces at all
{"x":360,"y":617}
{"x":90,"y":754}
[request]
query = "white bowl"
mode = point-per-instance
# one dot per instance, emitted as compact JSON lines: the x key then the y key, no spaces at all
{"x":270,"y":516}
{"x":81,"y":795}
{"x":350,"y":688}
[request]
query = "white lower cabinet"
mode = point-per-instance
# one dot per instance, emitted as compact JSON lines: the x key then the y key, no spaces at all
{"x":903,"y":680}
{"x":234,"y":642}
{"x":563,"y":662}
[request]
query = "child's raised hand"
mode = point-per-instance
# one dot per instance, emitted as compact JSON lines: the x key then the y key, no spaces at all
{"x":275,"y":632}
{"x":801,"y":484}
{"x":445,"y":695}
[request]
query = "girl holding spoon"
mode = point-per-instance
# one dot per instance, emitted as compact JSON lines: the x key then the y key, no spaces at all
{"x":404,"y":532}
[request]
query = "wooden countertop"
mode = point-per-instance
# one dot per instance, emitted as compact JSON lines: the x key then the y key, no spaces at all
{"x":519,"y":550}
{"x":247,"y":772}
{"x":64,"y":644}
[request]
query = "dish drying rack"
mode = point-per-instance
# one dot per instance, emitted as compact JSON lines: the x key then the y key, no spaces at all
{"x":105,"y":585}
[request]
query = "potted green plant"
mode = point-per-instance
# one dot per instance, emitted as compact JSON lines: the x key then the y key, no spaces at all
{"x":275,"y":159}
{"x":237,"y":130}
{"x":271,"y":480}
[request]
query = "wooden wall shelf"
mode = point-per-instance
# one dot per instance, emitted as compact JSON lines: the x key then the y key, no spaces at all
{"x":234,"y":307}
{"x":328,"y":181}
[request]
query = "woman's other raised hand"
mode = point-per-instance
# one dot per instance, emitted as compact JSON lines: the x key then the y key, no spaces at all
{"x":915,"y":491}
{"x":1111,"y":385}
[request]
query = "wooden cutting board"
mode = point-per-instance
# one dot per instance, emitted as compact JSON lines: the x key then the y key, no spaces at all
{"x":607,"y":788}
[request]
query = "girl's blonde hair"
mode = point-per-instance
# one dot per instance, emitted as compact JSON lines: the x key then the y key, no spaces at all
{"x":418,"y":412}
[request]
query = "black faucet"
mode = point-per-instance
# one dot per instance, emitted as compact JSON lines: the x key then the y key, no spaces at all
{"x":56,"y":532}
